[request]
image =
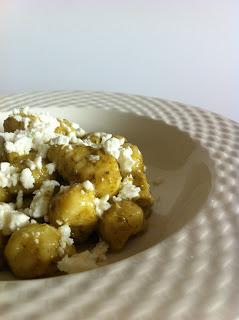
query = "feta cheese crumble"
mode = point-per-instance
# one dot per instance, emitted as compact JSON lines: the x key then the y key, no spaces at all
{"x":34,"y":137}
{"x":123,"y":155}
{"x":128,"y":190}
{"x":101,"y":205}
{"x":22,"y":118}
{"x":87,"y":185}
{"x":19,"y":200}
{"x":86,"y":260}
{"x":103,"y":136}
{"x":27,"y":178}
{"x":41,"y":200}
{"x":20,"y":144}
{"x":65,"y":240}
{"x":59,"y":222}
{"x":93,"y":158}
{"x":36,"y":164}
{"x":112,"y":146}
{"x":80,"y":132}
{"x":64,"y":188}
{"x":31,"y":165}
{"x":125,"y":160}
{"x":11,"y":219}
{"x":75,"y":126}
{"x":51,"y":167}
{"x":8,"y":175}
{"x":24,"y":110}
{"x":60,"y":140}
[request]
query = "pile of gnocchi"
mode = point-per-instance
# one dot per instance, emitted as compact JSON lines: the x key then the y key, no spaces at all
{"x":61,"y":188}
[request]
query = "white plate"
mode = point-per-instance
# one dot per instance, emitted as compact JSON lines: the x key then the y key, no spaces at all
{"x":186,"y":265}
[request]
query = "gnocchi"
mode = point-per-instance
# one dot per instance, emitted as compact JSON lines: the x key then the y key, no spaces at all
{"x":75,"y":207}
{"x":33,"y":251}
{"x":3,"y":241}
{"x":75,"y":164}
{"x":61,"y":187}
{"x":123,"y":220}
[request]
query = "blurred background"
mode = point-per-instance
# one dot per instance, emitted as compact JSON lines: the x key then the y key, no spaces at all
{"x":184,"y":50}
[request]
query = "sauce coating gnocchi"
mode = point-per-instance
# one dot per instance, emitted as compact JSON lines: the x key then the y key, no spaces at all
{"x":59,"y":188}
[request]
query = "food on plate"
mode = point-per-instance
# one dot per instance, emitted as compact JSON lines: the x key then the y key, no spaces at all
{"x":5,"y":195}
{"x":75,"y":206}
{"x":145,"y":198}
{"x":3,"y":241}
{"x":124,"y":219}
{"x":33,"y":250}
{"x":61,"y":190}
{"x":74,"y":163}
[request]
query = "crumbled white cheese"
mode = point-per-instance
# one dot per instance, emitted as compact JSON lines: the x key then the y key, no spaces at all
{"x":63,"y":188}
{"x":65,"y":239}
{"x":75,"y":125}
{"x":31,"y":165}
{"x":26,"y":122}
{"x":19,"y":200}
{"x":36,"y":137}
{"x":100,"y":250}
{"x":18,"y":117}
{"x":86,"y":260}
{"x":59,"y":222}
{"x":23,"y":119}
{"x":73,"y":138}
{"x":94,"y":158}
{"x":128,"y":190}
{"x":80,"y":133}
{"x":123,"y":155}
{"x":101,"y":205}
{"x":51,"y":167}
{"x":103,"y":136}
{"x":88,"y":185}
{"x":125,"y":160}
{"x":10,"y":219}
{"x":112,"y":146}
{"x":27,"y":178}
{"x":41,"y":200}
{"x":60,"y":140}
{"x":63,"y":140}
{"x":36,"y":164}
{"x":23,"y":110}
{"x":78,"y":262}
{"x":65,"y":126}
{"x":46,"y":125}
{"x":88,"y":143}
{"x":21,"y":144}
{"x":8,"y":175}
{"x":7,"y":136}
{"x":42,"y":149}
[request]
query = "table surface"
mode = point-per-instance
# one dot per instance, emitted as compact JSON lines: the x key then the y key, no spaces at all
{"x":180,"y":50}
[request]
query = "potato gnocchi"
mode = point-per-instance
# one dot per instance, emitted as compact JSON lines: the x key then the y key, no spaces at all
{"x":61,"y":189}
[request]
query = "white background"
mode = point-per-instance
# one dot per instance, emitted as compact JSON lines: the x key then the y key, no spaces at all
{"x":184,"y":50}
